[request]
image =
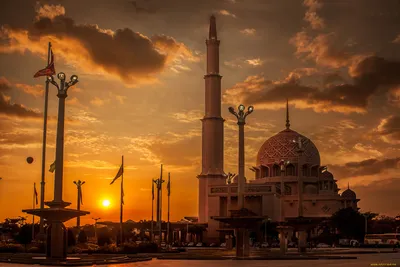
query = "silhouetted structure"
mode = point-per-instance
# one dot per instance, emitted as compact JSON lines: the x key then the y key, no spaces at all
{"x":289,"y":183}
{"x":57,"y":213}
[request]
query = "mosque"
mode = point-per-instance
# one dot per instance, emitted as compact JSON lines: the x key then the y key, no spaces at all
{"x":288,"y":183}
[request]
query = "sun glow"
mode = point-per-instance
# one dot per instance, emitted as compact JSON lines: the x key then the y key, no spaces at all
{"x":106,"y":203}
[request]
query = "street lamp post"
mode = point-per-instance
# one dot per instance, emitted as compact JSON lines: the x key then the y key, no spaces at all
{"x":62,"y":95}
{"x":265,"y":230}
{"x":301,"y":143}
{"x":366,"y":223}
{"x":283,"y":168}
{"x":241,"y":121}
{"x":79,"y":184}
{"x":229,"y":179}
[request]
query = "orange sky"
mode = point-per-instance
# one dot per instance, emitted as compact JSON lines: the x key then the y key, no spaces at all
{"x":141,"y":92}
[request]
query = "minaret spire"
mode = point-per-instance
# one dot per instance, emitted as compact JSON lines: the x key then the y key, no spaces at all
{"x":212,"y":171}
{"x":287,"y":114}
{"x":213,"y":28}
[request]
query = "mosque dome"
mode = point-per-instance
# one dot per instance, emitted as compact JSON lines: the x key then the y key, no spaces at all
{"x":348,"y":193}
{"x":281,"y":147}
{"x":327,"y":175}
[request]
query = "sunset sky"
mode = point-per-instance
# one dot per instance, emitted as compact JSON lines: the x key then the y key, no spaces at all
{"x":141,"y":94}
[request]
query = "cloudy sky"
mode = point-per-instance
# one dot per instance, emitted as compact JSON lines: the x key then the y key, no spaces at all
{"x":141,"y":92}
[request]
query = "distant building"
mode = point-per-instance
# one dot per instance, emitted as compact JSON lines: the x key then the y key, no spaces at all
{"x":274,"y":191}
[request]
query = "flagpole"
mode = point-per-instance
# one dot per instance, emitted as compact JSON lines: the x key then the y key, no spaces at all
{"x":42,"y":183}
{"x":152,"y":210}
{"x":160,"y":206}
{"x":33,"y":216}
{"x":122,"y":195}
{"x":169,"y":188}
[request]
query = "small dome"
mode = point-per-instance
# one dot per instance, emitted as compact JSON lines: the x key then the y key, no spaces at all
{"x":327,"y":175}
{"x":310,"y":189}
{"x":348,"y":193}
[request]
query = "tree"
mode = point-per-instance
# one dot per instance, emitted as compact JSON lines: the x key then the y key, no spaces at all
{"x":24,"y":236}
{"x":349,"y":222}
{"x":71,"y":238}
{"x":103,"y":236}
{"x":82,"y":237}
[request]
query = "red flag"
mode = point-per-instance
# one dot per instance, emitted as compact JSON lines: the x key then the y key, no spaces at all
{"x":49,"y":70}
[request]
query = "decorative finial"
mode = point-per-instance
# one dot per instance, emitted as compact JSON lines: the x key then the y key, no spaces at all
{"x":213,"y":28}
{"x":287,"y":114}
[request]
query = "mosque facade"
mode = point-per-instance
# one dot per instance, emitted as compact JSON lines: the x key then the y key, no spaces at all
{"x":288,"y":182}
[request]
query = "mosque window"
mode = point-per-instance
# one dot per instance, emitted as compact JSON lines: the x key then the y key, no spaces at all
{"x":314,"y":171}
{"x":276,"y":170}
{"x":290,"y":171}
{"x":325,"y":185}
{"x":265,"y":171}
{"x":305,"y":170}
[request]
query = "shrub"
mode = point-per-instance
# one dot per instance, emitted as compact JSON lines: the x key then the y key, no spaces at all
{"x":103,"y":238}
{"x":147,"y":248}
{"x":82,"y":237}
{"x":11,"y":248}
{"x":71,"y":238}
{"x":130,"y":248}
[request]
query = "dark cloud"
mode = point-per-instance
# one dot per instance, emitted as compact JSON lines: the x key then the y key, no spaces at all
{"x":389,"y":129}
{"x":13,"y":109}
{"x":124,"y":53}
{"x":370,"y":76}
{"x":331,"y":78}
{"x":4,"y":85}
{"x":143,"y":7}
{"x":19,"y":138}
{"x":363,"y":168}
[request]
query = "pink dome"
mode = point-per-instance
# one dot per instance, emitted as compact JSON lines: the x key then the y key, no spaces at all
{"x":281,"y":146}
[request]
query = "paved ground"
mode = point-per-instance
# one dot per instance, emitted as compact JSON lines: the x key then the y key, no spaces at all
{"x":389,"y":259}
{"x":384,"y":259}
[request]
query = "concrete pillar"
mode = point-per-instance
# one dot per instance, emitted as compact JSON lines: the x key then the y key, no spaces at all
{"x":242,"y":243}
{"x":302,"y":241}
{"x":57,"y":240}
{"x":282,"y":242}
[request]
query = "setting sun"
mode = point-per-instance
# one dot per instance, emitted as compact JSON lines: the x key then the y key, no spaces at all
{"x":106,"y":203}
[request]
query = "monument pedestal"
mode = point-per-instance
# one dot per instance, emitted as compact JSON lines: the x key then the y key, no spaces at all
{"x":302,"y":225}
{"x":241,"y":220}
{"x":55,"y":215}
{"x":242,"y":243}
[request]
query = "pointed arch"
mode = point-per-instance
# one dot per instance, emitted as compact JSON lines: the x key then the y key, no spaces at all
{"x":305,"y":170}
{"x":276,"y":170}
{"x":290,"y":170}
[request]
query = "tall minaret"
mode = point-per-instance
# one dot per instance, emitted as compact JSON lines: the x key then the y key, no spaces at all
{"x":213,"y":125}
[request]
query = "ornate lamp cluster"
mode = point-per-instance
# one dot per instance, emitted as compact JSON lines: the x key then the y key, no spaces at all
{"x":241,"y":114}
{"x":63,"y":87}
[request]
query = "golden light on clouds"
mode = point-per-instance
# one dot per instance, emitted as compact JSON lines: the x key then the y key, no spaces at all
{"x":248,"y":31}
{"x":225,"y":12}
